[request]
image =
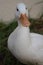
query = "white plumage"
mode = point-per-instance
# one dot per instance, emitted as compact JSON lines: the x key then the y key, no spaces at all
{"x":25,"y":46}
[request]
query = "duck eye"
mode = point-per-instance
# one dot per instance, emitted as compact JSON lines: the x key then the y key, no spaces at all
{"x":17,"y":9}
{"x":26,"y":8}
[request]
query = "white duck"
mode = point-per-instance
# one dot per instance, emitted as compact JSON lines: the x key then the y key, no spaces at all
{"x":25,"y":46}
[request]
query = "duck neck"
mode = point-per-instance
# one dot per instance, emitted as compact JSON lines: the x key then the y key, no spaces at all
{"x":24,"y":29}
{"x":24,"y":33}
{"x":19,"y":24}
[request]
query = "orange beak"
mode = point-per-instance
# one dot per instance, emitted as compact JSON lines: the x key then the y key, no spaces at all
{"x":24,"y":20}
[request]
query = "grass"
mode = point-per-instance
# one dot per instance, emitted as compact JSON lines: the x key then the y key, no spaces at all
{"x":6,"y":58}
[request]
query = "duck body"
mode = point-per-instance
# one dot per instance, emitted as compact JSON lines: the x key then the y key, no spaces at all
{"x":25,"y":46}
{"x":18,"y":42}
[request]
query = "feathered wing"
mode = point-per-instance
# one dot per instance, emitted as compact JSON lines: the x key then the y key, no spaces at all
{"x":37,"y":45}
{"x":37,"y":40}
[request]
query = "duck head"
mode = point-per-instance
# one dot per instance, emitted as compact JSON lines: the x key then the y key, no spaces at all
{"x":22,"y":14}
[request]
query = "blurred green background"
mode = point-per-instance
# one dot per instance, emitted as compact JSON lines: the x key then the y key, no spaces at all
{"x":6,"y":58}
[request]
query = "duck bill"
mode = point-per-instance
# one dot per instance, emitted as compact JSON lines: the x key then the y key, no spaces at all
{"x":24,"y":20}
